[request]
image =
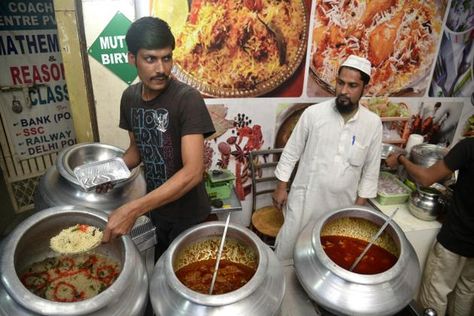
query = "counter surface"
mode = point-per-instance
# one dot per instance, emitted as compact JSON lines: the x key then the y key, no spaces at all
{"x":404,"y":219}
{"x":228,"y":205}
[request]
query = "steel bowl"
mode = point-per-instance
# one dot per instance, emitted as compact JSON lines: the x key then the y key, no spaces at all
{"x":84,"y":153}
{"x":29,"y":243}
{"x":59,"y":186}
{"x":427,"y":155}
{"x":344,"y":292}
{"x":388,"y":149}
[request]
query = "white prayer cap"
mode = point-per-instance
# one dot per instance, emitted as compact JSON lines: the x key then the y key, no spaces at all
{"x":359,"y":63}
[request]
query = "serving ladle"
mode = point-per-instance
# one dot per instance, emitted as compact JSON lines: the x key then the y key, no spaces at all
{"x":219,"y":254}
{"x":376,"y":236}
{"x":66,"y":238}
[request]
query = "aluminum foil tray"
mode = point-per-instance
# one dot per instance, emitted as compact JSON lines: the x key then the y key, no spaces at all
{"x":96,"y":173}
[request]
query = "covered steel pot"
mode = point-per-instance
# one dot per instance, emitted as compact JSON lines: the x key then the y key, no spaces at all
{"x":29,"y":243}
{"x":347,"y":293}
{"x":427,"y":203}
{"x":262,"y":295}
{"x":59,"y":186}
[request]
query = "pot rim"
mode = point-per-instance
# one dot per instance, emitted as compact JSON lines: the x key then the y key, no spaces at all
{"x":40,"y":305}
{"x":67,"y":173}
{"x":219,"y":299}
{"x":424,"y":192}
{"x":358,"y":212}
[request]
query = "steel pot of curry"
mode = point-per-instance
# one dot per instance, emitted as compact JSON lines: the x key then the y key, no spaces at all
{"x":249,"y":280}
{"x":384,"y":281}
{"x":109,"y":280}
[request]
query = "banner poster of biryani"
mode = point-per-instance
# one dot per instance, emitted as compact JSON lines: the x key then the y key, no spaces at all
{"x":236,"y":49}
{"x":34,"y":99}
{"x":401,"y":39}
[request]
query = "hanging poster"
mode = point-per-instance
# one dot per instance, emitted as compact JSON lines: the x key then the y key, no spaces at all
{"x":34,"y":98}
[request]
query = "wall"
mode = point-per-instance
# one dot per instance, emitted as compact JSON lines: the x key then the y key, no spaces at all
{"x":407,"y":97}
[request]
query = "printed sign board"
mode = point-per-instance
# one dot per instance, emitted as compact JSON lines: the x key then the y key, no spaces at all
{"x":34,"y":97}
{"x":110,"y":48}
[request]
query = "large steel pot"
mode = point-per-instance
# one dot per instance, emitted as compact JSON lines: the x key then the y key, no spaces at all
{"x":347,"y":293}
{"x":29,"y":243}
{"x":262,"y":295}
{"x":59,"y":186}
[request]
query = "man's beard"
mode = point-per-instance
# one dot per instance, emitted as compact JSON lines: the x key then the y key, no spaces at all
{"x":344,"y":104}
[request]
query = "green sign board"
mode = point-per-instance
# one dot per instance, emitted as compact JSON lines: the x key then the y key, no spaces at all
{"x":110,"y":48}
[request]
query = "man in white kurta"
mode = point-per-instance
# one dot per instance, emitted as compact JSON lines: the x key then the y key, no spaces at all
{"x":338,"y":157}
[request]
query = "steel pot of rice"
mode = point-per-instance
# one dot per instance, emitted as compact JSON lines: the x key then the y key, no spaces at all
{"x":250,"y":281}
{"x":109,"y":280}
{"x":384,"y":281}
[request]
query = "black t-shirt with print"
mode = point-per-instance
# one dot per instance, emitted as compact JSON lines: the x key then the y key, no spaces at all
{"x":457,"y":232}
{"x":158,"y":126}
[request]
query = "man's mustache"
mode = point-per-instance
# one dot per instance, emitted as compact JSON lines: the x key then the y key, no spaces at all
{"x":160,"y":76}
{"x":343,"y":99}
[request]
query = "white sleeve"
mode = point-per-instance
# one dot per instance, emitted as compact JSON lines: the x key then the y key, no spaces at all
{"x":293,"y":148}
{"x":370,"y":172}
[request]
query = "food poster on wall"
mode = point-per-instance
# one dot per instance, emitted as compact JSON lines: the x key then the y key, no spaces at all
{"x":465,"y":126}
{"x":400,"y":38}
{"x":286,"y":119}
{"x":34,"y":97}
{"x":239,"y":133}
{"x":453,"y":74}
{"x":436,"y":120}
{"x":233,"y":49}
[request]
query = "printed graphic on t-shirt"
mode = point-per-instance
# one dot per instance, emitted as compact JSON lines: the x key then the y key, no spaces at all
{"x":155,"y":145}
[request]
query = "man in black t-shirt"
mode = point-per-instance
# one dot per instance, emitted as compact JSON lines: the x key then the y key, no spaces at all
{"x":448,"y":277}
{"x":167,"y":122}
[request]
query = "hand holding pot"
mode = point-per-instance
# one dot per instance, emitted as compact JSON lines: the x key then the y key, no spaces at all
{"x":392,"y":160}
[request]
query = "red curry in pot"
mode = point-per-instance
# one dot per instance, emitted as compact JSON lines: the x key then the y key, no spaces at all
{"x":344,"y":251}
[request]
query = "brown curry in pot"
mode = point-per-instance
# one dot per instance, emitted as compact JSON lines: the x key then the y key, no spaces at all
{"x":230,"y":276}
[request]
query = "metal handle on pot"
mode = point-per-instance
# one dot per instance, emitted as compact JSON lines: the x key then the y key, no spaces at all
{"x":219,"y":253}
{"x":359,"y":258}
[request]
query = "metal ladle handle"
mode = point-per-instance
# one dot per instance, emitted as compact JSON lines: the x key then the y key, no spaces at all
{"x":219,"y":254}
{"x":359,"y":258}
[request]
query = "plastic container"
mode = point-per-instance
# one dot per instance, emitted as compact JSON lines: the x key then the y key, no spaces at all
{"x":391,"y":190}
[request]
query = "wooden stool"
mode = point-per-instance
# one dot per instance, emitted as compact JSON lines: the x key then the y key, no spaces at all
{"x":267,"y":222}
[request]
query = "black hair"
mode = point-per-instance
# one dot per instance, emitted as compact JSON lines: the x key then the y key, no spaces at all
{"x":363,"y":76}
{"x":149,"y":33}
